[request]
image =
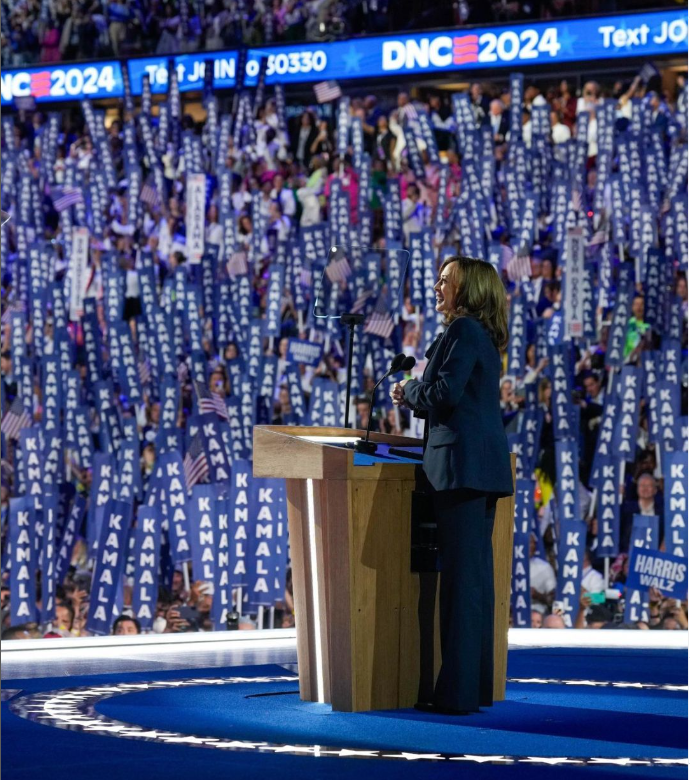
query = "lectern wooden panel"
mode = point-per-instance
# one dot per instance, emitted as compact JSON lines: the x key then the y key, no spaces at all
{"x":356,"y":600}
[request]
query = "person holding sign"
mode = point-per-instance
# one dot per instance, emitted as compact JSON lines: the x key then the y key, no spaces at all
{"x":467,"y":463}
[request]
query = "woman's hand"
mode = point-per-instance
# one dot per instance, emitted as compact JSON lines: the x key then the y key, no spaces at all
{"x":396,"y":393}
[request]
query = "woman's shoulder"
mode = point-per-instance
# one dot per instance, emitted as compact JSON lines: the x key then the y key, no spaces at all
{"x":469,"y":329}
{"x":465,"y":326}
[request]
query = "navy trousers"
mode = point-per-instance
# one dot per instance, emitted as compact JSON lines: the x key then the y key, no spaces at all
{"x":465,"y":523}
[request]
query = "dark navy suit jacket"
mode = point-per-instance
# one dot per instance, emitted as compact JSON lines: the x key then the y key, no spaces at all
{"x":459,"y":392}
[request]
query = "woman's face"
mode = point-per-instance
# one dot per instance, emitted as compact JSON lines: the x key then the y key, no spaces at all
{"x":230,"y":352}
{"x":217,"y":381}
{"x":446,"y":291}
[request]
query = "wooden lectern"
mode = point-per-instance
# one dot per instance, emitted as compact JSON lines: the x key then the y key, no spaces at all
{"x":356,"y":600}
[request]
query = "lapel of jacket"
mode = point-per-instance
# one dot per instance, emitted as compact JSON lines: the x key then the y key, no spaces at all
{"x":429,"y":354}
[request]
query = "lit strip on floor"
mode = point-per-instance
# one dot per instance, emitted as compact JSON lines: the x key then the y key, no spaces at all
{"x":75,"y":709}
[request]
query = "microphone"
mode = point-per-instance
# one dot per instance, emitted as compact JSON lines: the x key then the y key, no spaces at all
{"x":395,"y":365}
{"x":400,"y":362}
{"x":407,"y":365}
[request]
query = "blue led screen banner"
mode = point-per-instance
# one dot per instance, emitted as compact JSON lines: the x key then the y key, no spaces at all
{"x":63,"y":82}
{"x":644,"y":35}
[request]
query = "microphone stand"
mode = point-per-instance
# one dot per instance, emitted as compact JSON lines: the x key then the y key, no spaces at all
{"x":366,"y":446}
{"x":400,"y":363}
{"x":351,"y":320}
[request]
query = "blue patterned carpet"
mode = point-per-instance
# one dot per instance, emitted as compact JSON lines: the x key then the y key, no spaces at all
{"x":568,"y":713}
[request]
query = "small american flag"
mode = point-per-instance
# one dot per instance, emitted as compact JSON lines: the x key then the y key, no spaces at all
{"x":305,"y":277}
{"x":380,"y":322}
{"x":10,"y":310}
{"x":144,"y":372}
{"x":194,"y":464}
{"x":237,"y":264}
{"x":6,"y":469}
{"x":326,"y":91}
{"x":599,"y":237}
{"x":64,"y":197}
{"x":149,"y":195}
{"x":507,"y":255}
{"x":339,"y":270}
{"x":408,"y":112}
{"x":210,"y":402}
{"x":361,"y":300}
{"x":15,"y":419}
{"x":519,"y":267}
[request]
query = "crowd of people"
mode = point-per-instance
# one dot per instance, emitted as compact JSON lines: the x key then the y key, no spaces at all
{"x":67,"y":30}
{"x":179,"y":609}
{"x":283,"y":176}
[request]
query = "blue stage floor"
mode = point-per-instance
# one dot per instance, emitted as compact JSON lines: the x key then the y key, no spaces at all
{"x":599,"y":713}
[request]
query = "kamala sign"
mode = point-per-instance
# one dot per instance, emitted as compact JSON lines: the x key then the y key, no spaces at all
{"x":471,"y":48}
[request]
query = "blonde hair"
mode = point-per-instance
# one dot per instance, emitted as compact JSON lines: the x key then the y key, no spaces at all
{"x":479,"y":293}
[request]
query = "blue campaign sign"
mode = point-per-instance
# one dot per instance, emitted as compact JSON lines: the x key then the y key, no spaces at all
{"x":472,"y":48}
{"x":63,"y":82}
{"x":308,"y":352}
{"x":653,"y":569}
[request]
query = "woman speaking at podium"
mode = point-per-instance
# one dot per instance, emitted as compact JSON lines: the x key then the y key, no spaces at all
{"x":467,"y":464}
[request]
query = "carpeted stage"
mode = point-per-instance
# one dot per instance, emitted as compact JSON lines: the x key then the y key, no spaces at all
{"x":569,"y":712}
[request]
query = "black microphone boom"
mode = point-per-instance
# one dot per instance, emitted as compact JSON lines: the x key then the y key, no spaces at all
{"x":400,"y":362}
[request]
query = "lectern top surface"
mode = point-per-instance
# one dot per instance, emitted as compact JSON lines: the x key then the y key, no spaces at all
{"x":299,"y":452}
{"x":382,"y":454}
{"x":331,"y":439}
